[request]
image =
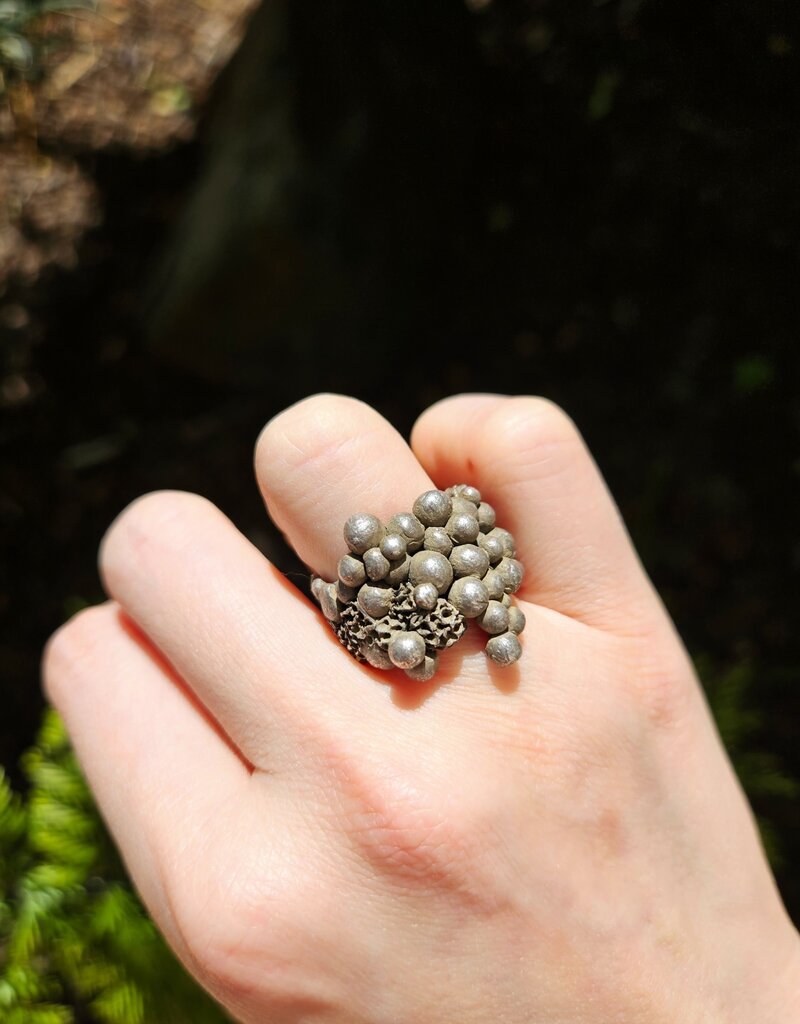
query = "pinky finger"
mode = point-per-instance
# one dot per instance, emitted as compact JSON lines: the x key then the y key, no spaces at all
{"x":158,"y":767}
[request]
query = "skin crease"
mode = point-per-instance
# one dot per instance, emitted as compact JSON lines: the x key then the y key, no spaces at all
{"x":562,"y":841}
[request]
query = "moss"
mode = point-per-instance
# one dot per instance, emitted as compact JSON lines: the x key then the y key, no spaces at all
{"x":75,"y":942}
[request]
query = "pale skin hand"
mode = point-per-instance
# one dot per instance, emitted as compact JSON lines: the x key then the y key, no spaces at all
{"x":560,"y":842}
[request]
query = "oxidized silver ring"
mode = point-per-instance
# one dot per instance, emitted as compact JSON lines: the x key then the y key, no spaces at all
{"x":408,"y":587}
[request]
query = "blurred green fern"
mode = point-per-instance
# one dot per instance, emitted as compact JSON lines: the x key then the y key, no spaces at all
{"x":75,"y":943}
{"x":731,"y":694}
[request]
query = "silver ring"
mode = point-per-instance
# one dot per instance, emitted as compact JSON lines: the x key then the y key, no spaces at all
{"x":408,"y":588}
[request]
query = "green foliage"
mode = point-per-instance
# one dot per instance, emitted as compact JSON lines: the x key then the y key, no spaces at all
{"x":753,"y":372}
{"x":75,"y":943}
{"x":731,"y":694}
{"x":20,"y":43}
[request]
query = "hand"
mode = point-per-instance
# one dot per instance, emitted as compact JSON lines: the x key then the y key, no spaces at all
{"x":562,"y":841}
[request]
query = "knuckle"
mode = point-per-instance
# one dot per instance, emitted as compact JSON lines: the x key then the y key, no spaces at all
{"x":539,"y":420}
{"x":250,"y":933}
{"x":407,"y":837}
{"x":539,"y":439}
{"x":68,"y":650}
{"x":310,"y":430}
{"x":660,"y":687}
{"x":203,"y":908}
{"x":420,"y":832}
{"x":155,"y":518}
{"x":203,"y":916}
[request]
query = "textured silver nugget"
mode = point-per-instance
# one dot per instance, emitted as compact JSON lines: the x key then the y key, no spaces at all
{"x":408,"y":587}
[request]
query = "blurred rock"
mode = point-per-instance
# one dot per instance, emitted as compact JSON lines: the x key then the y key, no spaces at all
{"x":340,"y":149}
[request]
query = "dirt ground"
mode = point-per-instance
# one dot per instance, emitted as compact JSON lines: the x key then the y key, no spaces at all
{"x":131,"y":75}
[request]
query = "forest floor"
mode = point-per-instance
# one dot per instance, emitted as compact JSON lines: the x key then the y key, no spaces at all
{"x":130,"y":75}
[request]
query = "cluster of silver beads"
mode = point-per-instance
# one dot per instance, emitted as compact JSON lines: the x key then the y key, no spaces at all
{"x":408,"y":586}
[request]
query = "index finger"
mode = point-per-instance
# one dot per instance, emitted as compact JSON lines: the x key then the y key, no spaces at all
{"x":325,"y":458}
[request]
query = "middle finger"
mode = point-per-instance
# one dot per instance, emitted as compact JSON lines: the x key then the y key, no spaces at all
{"x":325,"y":458}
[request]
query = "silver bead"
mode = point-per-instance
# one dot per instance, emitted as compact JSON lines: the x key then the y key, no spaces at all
{"x":505,"y":538}
{"x":437,"y":539}
{"x":504,"y":649}
{"x":463,"y":507}
{"x":466,"y":491}
{"x":376,"y":564}
{"x":374,"y":601}
{"x":328,"y":602}
{"x":433,"y":508}
{"x":376,"y":656}
{"x":493,"y":546}
{"x":486,"y":517}
{"x":469,"y":560}
{"x":511,"y":572}
{"x":516,"y":619}
{"x":430,"y":567}
{"x":506,"y":600}
{"x":495,"y":619}
{"x":393,"y":546}
{"x":398,"y":571}
{"x":494,"y":584}
{"x":362,"y":532}
{"x":352,"y":571}
{"x":317,"y":583}
{"x":469,"y":596}
{"x":410,"y":527}
{"x":425,"y":670}
{"x":425,"y":596}
{"x":509,"y":544}
{"x":463,"y":527}
{"x":344,"y":593}
{"x":406,"y":650}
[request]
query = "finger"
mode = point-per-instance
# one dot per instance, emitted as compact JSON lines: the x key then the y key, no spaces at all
{"x":229,"y":623}
{"x":531,"y":463}
{"x":158,"y":768}
{"x":325,"y":458}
